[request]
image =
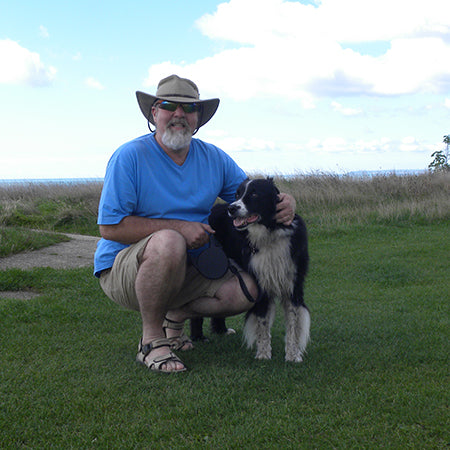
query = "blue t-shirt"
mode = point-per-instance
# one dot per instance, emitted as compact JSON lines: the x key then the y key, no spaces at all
{"x":142,"y":180}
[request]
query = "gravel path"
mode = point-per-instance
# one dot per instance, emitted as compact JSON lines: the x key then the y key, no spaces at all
{"x":78,"y":252}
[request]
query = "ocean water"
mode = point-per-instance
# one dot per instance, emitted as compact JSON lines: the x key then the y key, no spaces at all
{"x":49,"y":181}
{"x":356,"y":174}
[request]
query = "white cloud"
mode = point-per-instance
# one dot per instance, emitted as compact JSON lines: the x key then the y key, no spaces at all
{"x":43,"y":32}
{"x":297,"y":51}
{"x":94,"y":84}
{"x":332,"y":153}
{"x":238,"y":144}
{"x":360,"y":147}
{"x":382,"y":20}
{"x":77,"y":56}
{"x":409,"y":144}
{"x":21,"y":66}
{"x":339,"y":20}
{"x":345,"y":111}
{"x":447,"y":103}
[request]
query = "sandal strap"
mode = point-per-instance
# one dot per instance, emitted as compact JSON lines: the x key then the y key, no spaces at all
{"x":172,"y":324}
{"x":158,"y":361}
{"x":176,"y":342}
{"x":156,"y":343}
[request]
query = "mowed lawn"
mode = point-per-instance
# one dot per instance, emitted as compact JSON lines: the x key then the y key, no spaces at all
{"x":375,"y":374}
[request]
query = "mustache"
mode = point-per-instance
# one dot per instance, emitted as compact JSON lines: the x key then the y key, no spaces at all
{"x":178,"y":121}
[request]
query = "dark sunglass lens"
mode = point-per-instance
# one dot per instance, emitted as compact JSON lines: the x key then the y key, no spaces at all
{"x":168,"y":106}
{"x":190,"y":107}
{"x":187,"y":107}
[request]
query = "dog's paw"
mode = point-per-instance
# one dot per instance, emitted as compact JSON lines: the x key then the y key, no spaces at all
{"x":263,"y":355}
{"x":296,"y":357}
{"x":230,"y":331}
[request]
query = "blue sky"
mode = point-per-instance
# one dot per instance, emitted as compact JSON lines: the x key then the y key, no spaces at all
{"x":305,"y":86}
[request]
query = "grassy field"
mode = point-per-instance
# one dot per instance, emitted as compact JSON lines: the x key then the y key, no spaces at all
{"x":375,"y":375}
{"x":63,"y":207}
{"x":15,"y":240}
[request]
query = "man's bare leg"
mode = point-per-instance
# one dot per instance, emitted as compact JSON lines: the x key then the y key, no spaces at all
{"x":160,"y":277}
{"x":229,"y":300}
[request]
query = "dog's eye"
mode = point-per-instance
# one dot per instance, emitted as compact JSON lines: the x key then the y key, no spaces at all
{"x":253,"y":195}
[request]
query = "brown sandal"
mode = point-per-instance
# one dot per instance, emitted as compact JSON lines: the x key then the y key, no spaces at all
{"x":155,"y":364}
{"x":177,"y":342}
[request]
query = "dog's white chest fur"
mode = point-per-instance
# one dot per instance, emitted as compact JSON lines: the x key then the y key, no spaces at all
{"x":272,"y":263}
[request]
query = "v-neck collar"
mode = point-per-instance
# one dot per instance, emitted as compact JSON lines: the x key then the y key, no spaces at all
{"x":164,"y":153}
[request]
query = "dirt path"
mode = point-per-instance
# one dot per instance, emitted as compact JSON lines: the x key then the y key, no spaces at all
{"x":78,"y":252}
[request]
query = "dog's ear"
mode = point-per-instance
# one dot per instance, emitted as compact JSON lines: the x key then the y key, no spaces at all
{"x":272,"y":182}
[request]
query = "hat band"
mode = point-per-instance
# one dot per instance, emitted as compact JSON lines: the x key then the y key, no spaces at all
{"x":178,"y":95}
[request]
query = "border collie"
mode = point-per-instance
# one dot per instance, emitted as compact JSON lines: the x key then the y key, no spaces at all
{"x":277,"y":257}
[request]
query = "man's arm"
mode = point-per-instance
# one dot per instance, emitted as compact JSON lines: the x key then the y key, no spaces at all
{"x":132,"y":229}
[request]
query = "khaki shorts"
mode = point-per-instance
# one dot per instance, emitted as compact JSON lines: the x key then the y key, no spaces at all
{"x":118,"y":283}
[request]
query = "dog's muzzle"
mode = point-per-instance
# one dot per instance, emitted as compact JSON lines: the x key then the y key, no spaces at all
{"x":241,"y":218}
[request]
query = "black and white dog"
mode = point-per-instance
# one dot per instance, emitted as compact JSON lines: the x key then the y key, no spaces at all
{"x":276,"y":255}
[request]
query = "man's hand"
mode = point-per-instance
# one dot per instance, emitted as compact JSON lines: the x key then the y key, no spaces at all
{"x":195,"y":233}
{"x":285,"y":209}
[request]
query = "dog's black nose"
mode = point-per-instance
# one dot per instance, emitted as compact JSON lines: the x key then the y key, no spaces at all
{"x":233,"y":209}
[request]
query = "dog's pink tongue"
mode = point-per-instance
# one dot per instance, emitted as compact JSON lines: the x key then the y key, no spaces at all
{"x":239,"y":222}
{"x":252,"y":219}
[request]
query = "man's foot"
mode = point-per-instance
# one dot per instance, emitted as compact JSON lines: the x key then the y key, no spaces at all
{"x":156,"y":355}
{"x":174,"y":332}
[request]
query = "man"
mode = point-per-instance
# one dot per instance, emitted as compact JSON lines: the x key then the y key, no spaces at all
{"x":156,"y":198}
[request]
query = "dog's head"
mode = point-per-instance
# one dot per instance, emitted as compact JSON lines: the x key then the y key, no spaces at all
{"x":256,"y":202}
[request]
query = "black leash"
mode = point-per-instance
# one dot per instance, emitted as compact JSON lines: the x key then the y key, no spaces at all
{"x":236,"y":272}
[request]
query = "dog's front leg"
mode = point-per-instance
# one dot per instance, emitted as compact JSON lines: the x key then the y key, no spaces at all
{"x":263,"y":339}
{"x":257,"y":329}
{"x":297,"y":330}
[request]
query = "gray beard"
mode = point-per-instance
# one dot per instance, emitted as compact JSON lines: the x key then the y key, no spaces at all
{"x":176,"y":140}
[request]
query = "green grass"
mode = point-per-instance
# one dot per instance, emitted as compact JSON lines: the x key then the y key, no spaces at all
{"x":375,"y":375}
{"x":62,"y":207}
{"x":14,"y":240}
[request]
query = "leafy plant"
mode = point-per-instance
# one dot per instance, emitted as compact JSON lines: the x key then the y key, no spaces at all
{"x":440,"y":162}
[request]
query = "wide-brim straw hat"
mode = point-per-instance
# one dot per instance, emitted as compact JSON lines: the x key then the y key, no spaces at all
{"x":176,"y":89}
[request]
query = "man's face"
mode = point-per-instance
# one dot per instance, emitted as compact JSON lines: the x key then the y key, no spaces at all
{"x":174,"y":128}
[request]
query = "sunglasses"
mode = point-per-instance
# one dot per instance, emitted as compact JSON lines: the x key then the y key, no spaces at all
{"x":172,"y":106}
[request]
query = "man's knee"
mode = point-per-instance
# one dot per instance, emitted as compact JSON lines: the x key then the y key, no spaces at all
{"x":166,"y":245}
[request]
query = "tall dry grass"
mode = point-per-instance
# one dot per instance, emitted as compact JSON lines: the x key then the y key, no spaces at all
{"x":70,"y":207}
{"x":322,"y":199}
{"x":332,"y":199}
{"x":75,"y":192}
